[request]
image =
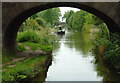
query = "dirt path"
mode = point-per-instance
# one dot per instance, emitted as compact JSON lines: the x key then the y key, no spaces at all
{"x":25,"y":54}
{"x":15,"y":60}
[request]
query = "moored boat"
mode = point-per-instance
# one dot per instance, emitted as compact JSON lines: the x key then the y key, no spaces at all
{"x":61,"y":31}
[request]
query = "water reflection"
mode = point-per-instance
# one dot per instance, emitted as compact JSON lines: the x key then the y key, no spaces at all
{"x":80,"y":41}
{"x":74,"y":61}
{"x":69,"y":63}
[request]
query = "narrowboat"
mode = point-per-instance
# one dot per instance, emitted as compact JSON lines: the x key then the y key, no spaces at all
{"x":61,"y":31}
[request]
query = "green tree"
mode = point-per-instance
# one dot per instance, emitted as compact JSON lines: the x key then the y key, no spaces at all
{"x":47,"y":18}
{"x":67,"y":15}
{"x":30,"y":23}
{"x":40,"y":21}
{"x":70,"y":22}
{"x":97,"y":21}
{"x":50,"y":15}
{"x":56,"y":23}
{"x":78,"y":20}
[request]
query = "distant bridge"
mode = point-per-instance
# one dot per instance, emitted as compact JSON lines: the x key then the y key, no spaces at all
{"x":62,"y":23}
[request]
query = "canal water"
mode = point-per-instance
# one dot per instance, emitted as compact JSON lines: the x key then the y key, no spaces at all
{"x":72,"y":59}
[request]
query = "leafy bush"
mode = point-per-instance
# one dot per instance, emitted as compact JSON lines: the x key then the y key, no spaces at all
{"x":112,"y":57}
{"x":112,"y":54}
{"x":40,"y":21}
{"x":29,"y":35}
{"x":33,"y":24}
{"x":101,"y":41}
{"x":30,"y":24}
{"x":56,"y":23}
{"x":102,"y":38}
{"x":103,"y":32}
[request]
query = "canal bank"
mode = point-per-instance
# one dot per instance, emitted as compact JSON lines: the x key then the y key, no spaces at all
{"x":26,"y":69}
{"x":107,"y":52}
{"x":33,"y":56}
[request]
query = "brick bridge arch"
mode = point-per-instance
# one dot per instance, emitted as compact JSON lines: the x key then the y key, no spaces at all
{"x":15,"y":13}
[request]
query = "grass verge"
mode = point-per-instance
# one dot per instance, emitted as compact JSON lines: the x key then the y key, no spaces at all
{"x":25,"y":69}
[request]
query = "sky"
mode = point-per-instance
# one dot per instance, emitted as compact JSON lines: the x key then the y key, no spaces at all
{"x":65,"y":9}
